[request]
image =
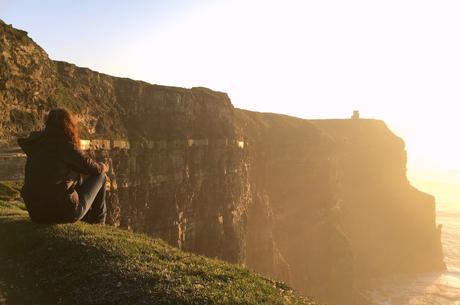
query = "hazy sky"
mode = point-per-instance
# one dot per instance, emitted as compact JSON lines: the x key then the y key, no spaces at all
{"x":394,"y":60}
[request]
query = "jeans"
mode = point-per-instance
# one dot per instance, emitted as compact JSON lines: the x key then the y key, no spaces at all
{"x":91,"y":193}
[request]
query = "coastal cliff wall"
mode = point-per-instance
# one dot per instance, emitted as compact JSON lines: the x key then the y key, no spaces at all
{"x":300,"y":201}
{"x":293,"y":172}
{"x":391,"y":225}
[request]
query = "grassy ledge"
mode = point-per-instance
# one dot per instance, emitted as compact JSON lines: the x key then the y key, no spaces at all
{"x":92,"y":264}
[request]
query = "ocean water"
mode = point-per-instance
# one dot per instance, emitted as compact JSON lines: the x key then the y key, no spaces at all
{"x":433,"y":288}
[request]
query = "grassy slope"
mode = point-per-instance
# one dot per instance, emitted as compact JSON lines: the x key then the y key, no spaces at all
{"x":91,"y":264}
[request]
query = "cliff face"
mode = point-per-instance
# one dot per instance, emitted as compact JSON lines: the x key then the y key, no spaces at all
{"x":301,"y":201}
{"x":293,"y":172}
{"x":27,"y":80}
{"x":391,"y":225}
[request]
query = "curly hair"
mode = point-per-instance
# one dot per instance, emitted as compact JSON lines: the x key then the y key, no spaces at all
{"x":61,"y":123}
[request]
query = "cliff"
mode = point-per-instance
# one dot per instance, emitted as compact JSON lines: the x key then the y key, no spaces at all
{"x":294,"y":199}
{"x":390,"y":223}
{"x":292,"y":174}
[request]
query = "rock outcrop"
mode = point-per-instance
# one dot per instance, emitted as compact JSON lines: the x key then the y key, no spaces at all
{"x":322,"y":205}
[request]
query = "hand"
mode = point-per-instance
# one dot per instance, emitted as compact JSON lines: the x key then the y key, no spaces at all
{"x":105,"y":168}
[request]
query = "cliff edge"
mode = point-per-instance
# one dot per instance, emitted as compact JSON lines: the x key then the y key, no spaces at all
{"x":89,"y":264}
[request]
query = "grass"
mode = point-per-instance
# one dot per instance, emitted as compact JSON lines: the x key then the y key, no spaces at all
{"x":91,"y":264}
{"x":10,"y":190}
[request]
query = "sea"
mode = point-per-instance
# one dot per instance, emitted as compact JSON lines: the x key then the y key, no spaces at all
{"x":432,"y":288}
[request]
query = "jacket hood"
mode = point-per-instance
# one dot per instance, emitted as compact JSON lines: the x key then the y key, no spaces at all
{"x":32,"y":142}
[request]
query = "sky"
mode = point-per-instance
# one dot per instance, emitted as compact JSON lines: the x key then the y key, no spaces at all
{"x":398,"y":61}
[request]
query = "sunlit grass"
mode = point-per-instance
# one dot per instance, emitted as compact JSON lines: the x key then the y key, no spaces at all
{"x":92,"y":264}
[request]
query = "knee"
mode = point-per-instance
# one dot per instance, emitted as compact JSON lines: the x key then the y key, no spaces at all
{"x":103,"y":180}
{"x":97,"y":179}
{"x":101,"y":177}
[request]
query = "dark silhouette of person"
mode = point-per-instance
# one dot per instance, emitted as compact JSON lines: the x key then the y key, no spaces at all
{"x":54,"y":191}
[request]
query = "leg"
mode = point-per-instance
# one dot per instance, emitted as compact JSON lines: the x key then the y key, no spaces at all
{"x":97,"y":213}
{"x":91,"y":195}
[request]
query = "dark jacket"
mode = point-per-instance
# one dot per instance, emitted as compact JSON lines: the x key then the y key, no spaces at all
{"x":52,"y":169}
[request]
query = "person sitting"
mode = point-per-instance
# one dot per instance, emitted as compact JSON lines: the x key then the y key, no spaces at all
{"x":53,"y":190}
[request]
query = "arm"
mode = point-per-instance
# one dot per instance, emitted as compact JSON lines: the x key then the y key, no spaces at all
{"x":80,"y":162}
